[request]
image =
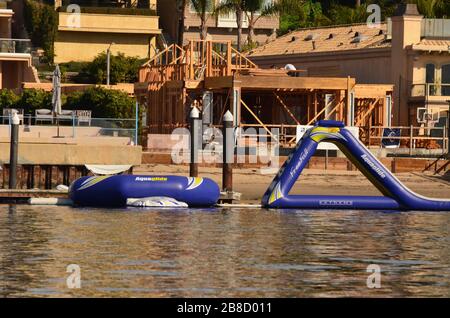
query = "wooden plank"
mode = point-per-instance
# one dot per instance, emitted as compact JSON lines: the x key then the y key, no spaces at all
{"x":266,"y":82}
{"x":218,"y":82}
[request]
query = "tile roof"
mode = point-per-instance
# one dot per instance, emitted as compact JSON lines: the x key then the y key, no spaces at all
{"x":432,"y":45}
{"x":325,"y":39}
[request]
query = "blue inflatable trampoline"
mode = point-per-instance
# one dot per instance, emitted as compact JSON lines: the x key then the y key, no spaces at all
{"x":163,"y":191}
{"x":396,"y":195}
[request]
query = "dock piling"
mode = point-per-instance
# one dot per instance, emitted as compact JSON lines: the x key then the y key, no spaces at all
{"x":228,"y":152}
{"x":194,"y":132}
{"x":13,"y":154}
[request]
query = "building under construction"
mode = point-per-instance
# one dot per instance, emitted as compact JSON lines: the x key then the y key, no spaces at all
{"x":216,"y":77}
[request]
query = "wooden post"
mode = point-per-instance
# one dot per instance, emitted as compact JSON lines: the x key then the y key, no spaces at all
{"x":195,"y":129}
{"x":411,"y":134}
{"x":349,"y":102}
{"x":191,"y":60}
{"x":228,"y":152}
{"x":229,"y":68}
{"x":448,"y":133}
{"x":315,"y":106}
{"x":13,"y":154}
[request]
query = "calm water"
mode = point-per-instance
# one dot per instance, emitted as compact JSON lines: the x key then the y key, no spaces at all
{"x":224,"y":253}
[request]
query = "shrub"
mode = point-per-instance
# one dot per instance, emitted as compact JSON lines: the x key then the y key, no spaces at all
{"x":104,"y":103}
{"x":32,"y":99}
{"x":8,"y":99}
{"x":124,"y":69}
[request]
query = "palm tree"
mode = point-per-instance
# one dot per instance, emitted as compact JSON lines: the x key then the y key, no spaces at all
{"x":203,"y":8}
{"x":237,"y":7}
{"x":256,"y":9}
{"x":432,"y":8}
{"x":181,"y":8}
{"x":340,"y":14}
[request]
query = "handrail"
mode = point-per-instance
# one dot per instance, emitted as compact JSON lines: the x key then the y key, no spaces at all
{"x":165,"y":51}
{"x":429,"y":89}
{"x":196,"y":60}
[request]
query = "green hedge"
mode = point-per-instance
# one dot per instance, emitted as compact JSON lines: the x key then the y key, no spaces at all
{"x":103,"y":103}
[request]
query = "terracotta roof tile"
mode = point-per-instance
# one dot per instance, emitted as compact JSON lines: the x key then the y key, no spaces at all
{"x":432,"y":45}
{"x":326,"y":39}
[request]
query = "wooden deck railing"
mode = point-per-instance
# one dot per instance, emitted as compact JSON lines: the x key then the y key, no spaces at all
{"x":195,"y":61}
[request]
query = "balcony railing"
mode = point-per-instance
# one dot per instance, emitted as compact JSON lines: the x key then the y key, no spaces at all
{"x":109,"y":7}
{"x":15,"y":46}
{"x":426,"y":90}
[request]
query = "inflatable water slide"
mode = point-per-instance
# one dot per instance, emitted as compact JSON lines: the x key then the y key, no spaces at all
{"x":396,"y":195}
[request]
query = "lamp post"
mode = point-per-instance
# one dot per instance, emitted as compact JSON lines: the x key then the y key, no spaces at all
{"x":108,"y":63}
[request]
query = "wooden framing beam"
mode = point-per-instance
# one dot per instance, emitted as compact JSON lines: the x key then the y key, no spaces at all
{"x":258,"y":120}
{"x":369,"y":111}
{"x":295,"y":83}
{"x":218,"y":82}
{"x":288,"y":111}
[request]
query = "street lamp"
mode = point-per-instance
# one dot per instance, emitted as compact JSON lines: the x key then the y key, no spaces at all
{"x":108,"y":63}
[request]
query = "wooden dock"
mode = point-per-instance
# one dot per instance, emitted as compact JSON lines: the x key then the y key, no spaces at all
{"x":23,"y":195}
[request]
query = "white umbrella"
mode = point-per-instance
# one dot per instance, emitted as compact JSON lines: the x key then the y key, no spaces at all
{"x":56,"y":97}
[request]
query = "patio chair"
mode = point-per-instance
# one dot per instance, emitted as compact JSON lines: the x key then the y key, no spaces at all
{"x":66,"y":115}
{"x":43,"y":115}
{"x":9,"y":112}
{"x":83,"y":116}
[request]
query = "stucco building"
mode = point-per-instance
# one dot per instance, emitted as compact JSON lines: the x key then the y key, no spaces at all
{"x":220,"y":28}
{"x":408,"y":51}
{"x":15,"y":55}
{"x":86,"y":31}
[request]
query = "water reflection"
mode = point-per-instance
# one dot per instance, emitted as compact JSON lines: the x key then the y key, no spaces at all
{"x":239,"y":253}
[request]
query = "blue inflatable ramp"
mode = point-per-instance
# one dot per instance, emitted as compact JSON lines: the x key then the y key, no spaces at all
{"x":396,"y":195}
{"x":160,"y":191}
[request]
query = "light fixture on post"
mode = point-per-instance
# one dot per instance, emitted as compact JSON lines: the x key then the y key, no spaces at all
{"x":108,"y":63}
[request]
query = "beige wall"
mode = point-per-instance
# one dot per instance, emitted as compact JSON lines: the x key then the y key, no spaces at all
{"x":5,"y":27}
{"x":406,"y":31}
{"x":73,"y":154}
{"x":115,"y":23}
{"x":132,"y":35}
{"x":421,"y":61}
{"x":372,"y":66}
{"x":12,"y":74}
{"x":85,"y":46}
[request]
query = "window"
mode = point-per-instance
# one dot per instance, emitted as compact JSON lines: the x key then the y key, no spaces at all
{"x":228,"y":20}
{"x":430,"y":71}
{"x":445,"y":71}
{"x":430,"y":79}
